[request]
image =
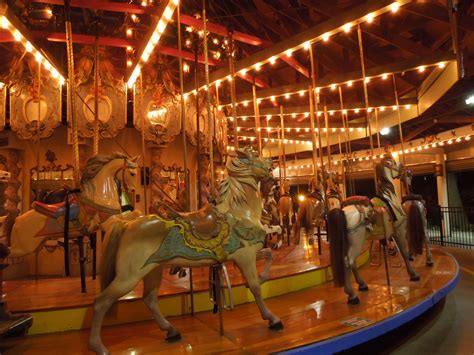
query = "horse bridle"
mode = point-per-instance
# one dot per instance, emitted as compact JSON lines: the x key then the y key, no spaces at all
{"x":119,"y":183}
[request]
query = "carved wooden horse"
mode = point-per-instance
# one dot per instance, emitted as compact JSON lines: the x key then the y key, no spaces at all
{"x":99,"y":198}
{"x":361,"y":218}
{"x":312,"y":212}
{"x":417,"y":225}
{"x":140,"y":249}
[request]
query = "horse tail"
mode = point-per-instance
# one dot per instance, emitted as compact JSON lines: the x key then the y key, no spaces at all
{"x":109,"y":254}
{"x":337,"y":233}
{"x":416,"y":231}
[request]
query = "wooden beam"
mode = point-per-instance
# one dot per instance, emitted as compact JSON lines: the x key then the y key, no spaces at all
{"x":353,"y":15}
{"x":456,"y":119}
{"x":398,"y":67}
{"x":438,"y":13}
{"x":419,"y":130}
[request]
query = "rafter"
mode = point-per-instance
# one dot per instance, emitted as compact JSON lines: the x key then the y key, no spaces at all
{"x":419,"y":130}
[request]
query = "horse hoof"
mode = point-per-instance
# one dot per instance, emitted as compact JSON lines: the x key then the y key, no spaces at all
{"x":415,"y":278}
{"x":354,"y":300}
{"x":363,"y":288}
{"x":429,"y":263}
{"x":174,"y":337}
{"x":278,"y":326}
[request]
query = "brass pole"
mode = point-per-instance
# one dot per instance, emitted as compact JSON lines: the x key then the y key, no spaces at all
{"x":313,"y":135}
{"x":328,"y":146}
{"x":347,"y":136}
{"x":257,"y":119}
{"x":38,"y":133}
{"x":210,"y":126}
{"x":183,"y":113}
{"x":72,"y":93}
{"x":400,"y":129}
{"x":198,"y":122}
{"x":366,"y":98}
{"x":377,"y":126}
{"x":142,"y":123}
{"x":95,"y":145}
{"x":315,"y":96}
{"x":282,"y":137}
{"x":232,"y":91}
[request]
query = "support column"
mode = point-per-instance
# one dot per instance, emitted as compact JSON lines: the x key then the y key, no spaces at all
{"x":442,"y":189}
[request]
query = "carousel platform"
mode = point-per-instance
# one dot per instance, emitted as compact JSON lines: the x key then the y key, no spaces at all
{"x":57,"y":304}
{"x":317,"y":319}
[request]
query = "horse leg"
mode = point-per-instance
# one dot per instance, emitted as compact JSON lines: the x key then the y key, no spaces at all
{"x":266,"y":254}
{"x":246,"y":262}
{"x":151,"y":283}
{"x":356,"y":241}
{"x":429,"y":256}
{"x":353,"y":254}
{"x":119,"y":287}
{"x":401,"y":241}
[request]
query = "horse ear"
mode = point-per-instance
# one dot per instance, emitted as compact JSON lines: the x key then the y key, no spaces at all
{"x":241,"y":153}
{"x":134,"y":159}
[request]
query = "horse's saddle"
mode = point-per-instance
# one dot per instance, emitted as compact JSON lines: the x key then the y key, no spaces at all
{"x":356,"y":200}
{"x":56,"y":210}
{"x":380,"y":201}
{"x":315,"y":194}
{"x":203,"y":222}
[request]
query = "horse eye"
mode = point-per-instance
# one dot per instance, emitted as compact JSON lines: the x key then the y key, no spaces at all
{"x":132,"y":174}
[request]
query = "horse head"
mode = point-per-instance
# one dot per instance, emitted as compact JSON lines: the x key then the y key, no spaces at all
{"x":129,"y":173}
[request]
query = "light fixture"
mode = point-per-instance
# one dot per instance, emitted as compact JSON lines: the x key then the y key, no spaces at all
{"x":306,"y":45}
{"x":302,"y":93}
{"x":441,"y":65}
{"x":288,"y":53}
{"x":326,"y":37}
{"x":394,"y":7}
{"x":385,"y":131}
{"x":470,"y":100}
{"x":272,"y":60}
{"x":287,"y":96}
{"x":257,"y":66}
{"x":384,"y":76}
{"x":349,"y":83}
{"x":347,"y":27}
{"x":333,"y":86}
{"x":421,"y":69}
{"x":367,"y":80}
{"x":370,"y":17}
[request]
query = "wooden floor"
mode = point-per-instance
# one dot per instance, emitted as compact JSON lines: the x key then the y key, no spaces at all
{"x":309,"y":316}
{"x":58,"y":293}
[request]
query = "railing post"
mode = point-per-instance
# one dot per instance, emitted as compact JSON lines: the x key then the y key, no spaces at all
{"x":440,"y":218}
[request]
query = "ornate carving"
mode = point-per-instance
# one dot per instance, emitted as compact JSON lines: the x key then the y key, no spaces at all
{"x":112,"y":95}
{"x":166,"y":181}
{"x":10,"y":160}
{"x":34,"y":114}
{"x":157,"y":103}
{"x":191,"y":128}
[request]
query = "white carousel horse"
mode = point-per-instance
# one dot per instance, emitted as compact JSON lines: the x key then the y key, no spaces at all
{"x":141,"y":248}
{"x":361,"y":218}
{"x":98,"y":200}
{"x":417,"y":225}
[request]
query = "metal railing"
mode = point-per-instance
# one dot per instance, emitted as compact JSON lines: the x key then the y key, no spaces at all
{"x":451,"y":226}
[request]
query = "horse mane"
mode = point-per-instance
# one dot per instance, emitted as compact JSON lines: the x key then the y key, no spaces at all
{"x":231,"y":189}
{"x":96,"y":163}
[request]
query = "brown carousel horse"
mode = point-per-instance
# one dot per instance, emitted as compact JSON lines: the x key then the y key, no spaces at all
{"x":312,"y":211}
{"x":285,"y":209}
{"x":140,"y":248}
{"x":361,"y":218}
{"x":417,"y":225}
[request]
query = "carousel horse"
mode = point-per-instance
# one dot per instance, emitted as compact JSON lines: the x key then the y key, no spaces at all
{"x":417,"y":225}
{"x":312,"y":211}
{"x":285,"y":209}
{"x":98,"y":199}
{"x":361,"y":218}
{"x":270,"y":217}
{"x":231,"y":231}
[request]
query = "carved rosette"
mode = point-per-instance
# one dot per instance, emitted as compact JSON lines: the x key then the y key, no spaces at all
{"x":112,"y":95}
{"x":35,"y":116}
{"x":160,"y":111}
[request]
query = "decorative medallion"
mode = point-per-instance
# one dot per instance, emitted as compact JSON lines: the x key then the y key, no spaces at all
{"x":35,"y":102}
{"x":156,"y":102}
{"x":112,"y":94}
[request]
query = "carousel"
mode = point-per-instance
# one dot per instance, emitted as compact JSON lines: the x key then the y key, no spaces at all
{"x":244,"y":174}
